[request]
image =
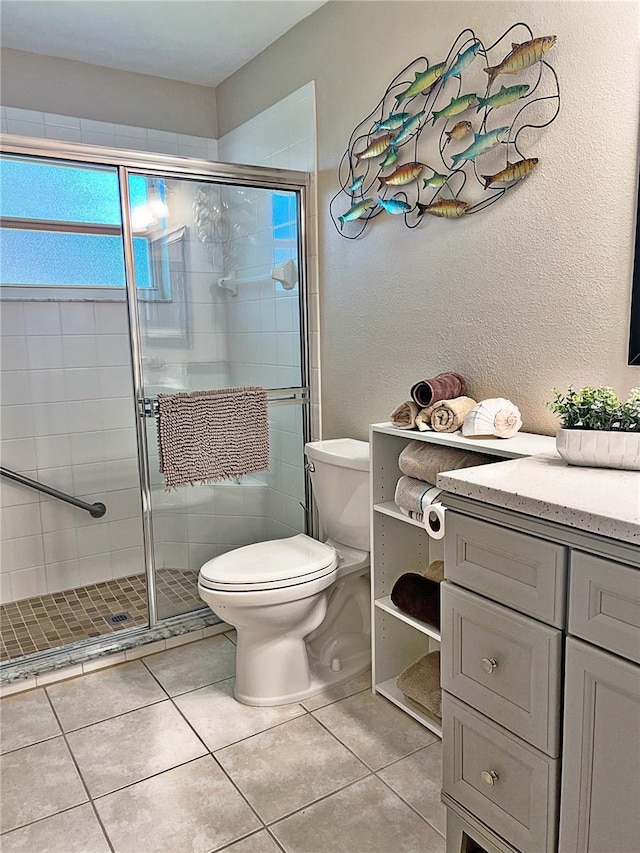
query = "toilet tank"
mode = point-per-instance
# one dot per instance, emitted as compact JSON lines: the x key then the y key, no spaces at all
{"x":339,"y":471}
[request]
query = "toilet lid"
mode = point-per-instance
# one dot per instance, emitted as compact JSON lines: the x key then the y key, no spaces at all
{"x":270,"y":565}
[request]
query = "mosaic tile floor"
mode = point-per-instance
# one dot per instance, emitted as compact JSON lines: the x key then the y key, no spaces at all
{"x":56,"y":619}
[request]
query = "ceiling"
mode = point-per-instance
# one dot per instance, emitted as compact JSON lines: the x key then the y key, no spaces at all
{"x":195,"y":41}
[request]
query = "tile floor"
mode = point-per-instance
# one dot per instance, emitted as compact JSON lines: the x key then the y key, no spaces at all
{"x":155,"y":756}
{"x":53,"y":620}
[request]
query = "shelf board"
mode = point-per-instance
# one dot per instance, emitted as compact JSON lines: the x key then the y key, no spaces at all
{"x":389,"y":690}
{"x":389,"y":607}
{"x":521,"y":444}
{"x":392,"y":509}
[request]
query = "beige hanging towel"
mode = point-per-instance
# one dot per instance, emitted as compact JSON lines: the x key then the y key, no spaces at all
{"x":206,"y":436}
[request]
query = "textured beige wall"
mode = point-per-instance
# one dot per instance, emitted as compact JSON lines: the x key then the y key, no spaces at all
{"x":534,"y":292}
{"x":69,"y":88}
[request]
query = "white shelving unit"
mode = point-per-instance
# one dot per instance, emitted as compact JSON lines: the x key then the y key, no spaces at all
{"x":400,"y":544}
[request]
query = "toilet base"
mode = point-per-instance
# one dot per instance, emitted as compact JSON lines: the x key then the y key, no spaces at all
{"x":322,"y":677}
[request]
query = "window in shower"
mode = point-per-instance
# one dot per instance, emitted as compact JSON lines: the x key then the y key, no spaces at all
{"x":61,"y":227}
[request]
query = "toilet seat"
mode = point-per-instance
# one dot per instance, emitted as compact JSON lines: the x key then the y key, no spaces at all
{"x":276,"y":564}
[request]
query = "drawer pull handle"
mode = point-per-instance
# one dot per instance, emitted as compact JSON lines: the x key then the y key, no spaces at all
{"x":489,"y":664}
{"x":489,"y":777}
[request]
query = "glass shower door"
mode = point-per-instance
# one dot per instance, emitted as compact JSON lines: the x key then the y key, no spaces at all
{"x":218,"y":299}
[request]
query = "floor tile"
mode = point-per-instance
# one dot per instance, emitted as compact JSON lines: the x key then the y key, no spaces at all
{"x":418,"y":780}
{"x":73,"y":831}
{"x":38,"y":781}
{"x":366,"y":816}
{"x":131,"y":747}
{"x":286,"y":768}
{"x":340,"y":691}
{"x":195,"y":665}
{"x":193,"y":807}
{"x":220,"y":720}
{"x":261,"y":842}
{"x":374,"y":729}
{"x":104,"y":694}
{"x":26,"y":718}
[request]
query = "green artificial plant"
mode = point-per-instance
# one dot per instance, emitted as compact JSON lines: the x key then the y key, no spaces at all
{"x":597,"y":409}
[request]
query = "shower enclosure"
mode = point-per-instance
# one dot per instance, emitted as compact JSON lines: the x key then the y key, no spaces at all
{"x":125,"y":276}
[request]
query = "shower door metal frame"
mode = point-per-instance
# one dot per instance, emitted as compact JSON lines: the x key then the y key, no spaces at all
{"x":173,"y":167}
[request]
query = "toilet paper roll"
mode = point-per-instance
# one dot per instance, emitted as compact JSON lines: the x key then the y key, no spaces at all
{"x":434,"y":520}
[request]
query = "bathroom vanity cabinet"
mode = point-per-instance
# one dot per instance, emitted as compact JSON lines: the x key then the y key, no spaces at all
{"x":540,"y":662}
{"x":400,"y":544}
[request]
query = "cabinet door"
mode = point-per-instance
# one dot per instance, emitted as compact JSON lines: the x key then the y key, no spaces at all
{"x":600,"y":804}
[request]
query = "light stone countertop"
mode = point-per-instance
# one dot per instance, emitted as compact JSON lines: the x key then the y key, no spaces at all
{"x":598,"y":500}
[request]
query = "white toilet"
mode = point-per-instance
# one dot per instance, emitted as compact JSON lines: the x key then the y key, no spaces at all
{"x":301,"y":607}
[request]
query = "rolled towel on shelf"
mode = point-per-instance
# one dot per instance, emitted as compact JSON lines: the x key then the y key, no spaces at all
{"x":435,"y":571}
{"x":420,"y":683}
{"x":444,"y":386}
{"x":449,"y":415}
{"x":423,"y":419}
{"x":404,"y":415}
{"x":425,"y":461}
{"x":419,"y":597}
{"x":414,"y":495}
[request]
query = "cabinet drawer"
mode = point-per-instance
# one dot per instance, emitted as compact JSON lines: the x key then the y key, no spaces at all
{"x":500,"y":779}
{"x":605,"y":604}
{"x":504,"y":664}
{"x":515,"y":569}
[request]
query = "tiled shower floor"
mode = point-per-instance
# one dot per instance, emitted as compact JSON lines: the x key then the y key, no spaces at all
{"x":56,"y":619}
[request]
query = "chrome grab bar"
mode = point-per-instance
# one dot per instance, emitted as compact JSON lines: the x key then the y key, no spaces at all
{"x":96,"y":510}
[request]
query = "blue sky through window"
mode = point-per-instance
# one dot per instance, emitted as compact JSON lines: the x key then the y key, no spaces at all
{"x":284,"y":211}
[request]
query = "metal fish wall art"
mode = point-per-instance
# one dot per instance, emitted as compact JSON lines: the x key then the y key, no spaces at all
{"x":415,"y":130}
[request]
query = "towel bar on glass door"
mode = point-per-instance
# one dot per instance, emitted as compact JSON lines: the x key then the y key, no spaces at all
{"x":96,"y":510}
{"x":148,"y":406}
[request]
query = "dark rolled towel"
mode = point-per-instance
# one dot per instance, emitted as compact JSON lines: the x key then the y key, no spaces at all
{"x":418,"y":596}
{"x":444,"y":386}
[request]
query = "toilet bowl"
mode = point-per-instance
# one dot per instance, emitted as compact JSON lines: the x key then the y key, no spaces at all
{"x":301,"y":607}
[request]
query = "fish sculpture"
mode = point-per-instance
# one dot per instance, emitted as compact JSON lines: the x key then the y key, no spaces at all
{"x":435,"y":181}
{"x":459,"y":130}
{"x":404,"y":174}
{"x":513,"y":173}
{"x":447,"y":208}
{"x":393,"y":121}
{"x":506,"y":95}
{"x":355,"y":211}
{"x":454,"y":107}
{"x":462,"y":61}
{"x":355,"y":186}
{"x":424,"y":80}
{"x":522,"y":56}
{"x":482,"y":142}
{"x":390,"y":159}
{"x":394,"y":205}
{"x":408,"y":127}
{"x":375,"y":148}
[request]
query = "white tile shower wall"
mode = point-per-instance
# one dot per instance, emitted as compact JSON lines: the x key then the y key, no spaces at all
{"x":263,"y":318}
{"x":71,"y":129}
{"x":67,"y":420}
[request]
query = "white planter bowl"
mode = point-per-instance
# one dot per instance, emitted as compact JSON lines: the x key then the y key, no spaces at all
{"x":599,"y":448}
